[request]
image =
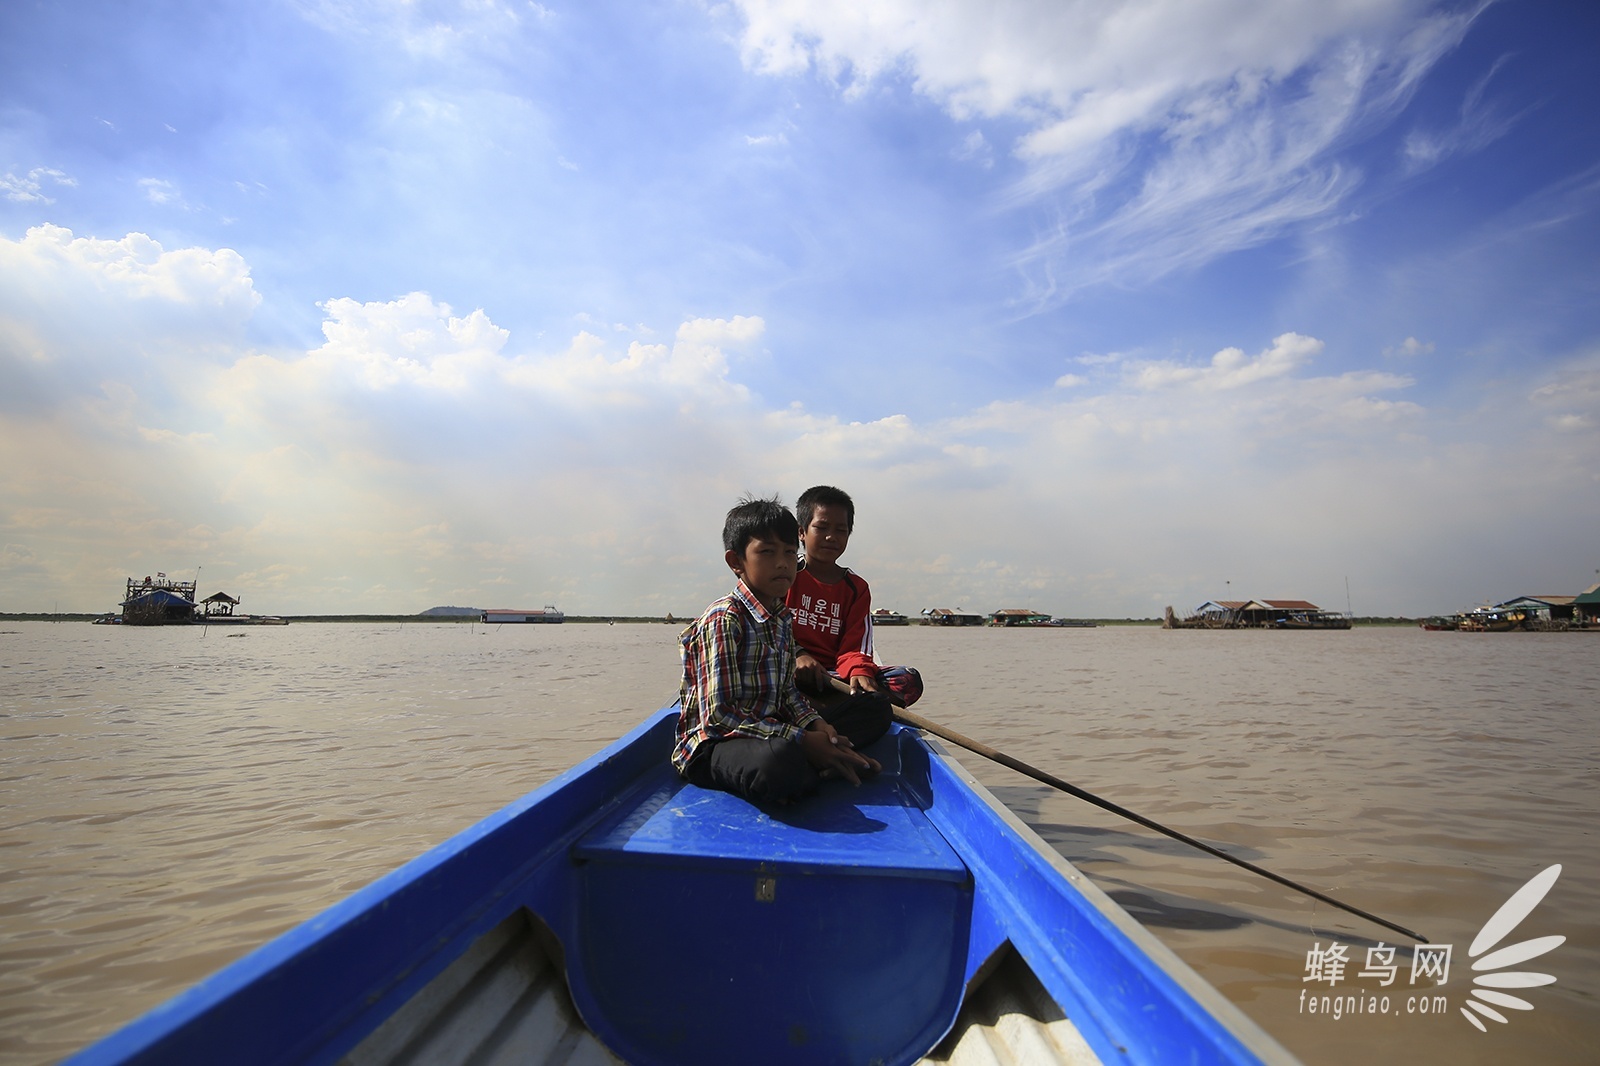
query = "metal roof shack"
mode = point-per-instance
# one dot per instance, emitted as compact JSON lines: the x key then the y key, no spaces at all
{"x":1587,"y":606}
{"x":1544,"y":612}
{"x":1018,"y":616}
{"x":944,"y":616}
{"x":1258,"y":614}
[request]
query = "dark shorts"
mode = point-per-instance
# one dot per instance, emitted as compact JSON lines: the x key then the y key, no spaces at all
{"x":775,"y":769}
{"x":761,"y":769}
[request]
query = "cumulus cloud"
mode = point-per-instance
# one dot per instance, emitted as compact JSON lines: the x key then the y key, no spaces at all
{"x":423,"y":454}
{"x":1161,"y":133}
{"x":1409,"y":348}
{"x":412,"y":340}
{"x":1231,"y":368}
{"x":76,"y":312}
{"x":135,"y":266}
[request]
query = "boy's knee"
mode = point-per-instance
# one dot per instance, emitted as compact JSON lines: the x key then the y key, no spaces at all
{"x":864,"y":717}
{"x":770,"y":770}
{"x":784,"y":775}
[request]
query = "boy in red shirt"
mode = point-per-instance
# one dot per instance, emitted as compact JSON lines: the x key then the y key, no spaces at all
{"x":831,"y":612}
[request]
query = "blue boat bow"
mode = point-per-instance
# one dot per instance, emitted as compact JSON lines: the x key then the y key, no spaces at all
{"x":858,"y":926}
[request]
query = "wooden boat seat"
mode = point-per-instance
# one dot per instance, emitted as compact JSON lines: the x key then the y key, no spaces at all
{"x":833,"y":930}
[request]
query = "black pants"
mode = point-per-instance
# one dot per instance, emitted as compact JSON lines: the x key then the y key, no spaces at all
{"x":861,"y":716}
{"x":775,"y":770}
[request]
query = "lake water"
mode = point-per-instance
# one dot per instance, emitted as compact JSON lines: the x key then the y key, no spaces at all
{"x":174,"y":797}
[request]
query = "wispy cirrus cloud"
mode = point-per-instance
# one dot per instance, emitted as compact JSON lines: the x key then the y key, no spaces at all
{"x":1152,"y":142}
{"x":30,"y":188}
{"x":1478,"y":124}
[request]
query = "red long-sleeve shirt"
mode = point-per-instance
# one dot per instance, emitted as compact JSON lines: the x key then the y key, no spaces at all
{"x":834,"y":622}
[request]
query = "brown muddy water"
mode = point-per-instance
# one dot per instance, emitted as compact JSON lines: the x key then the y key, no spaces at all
{"x":172,"y":798}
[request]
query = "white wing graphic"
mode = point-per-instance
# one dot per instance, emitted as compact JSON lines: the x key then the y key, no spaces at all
{"x":1496,"y":929}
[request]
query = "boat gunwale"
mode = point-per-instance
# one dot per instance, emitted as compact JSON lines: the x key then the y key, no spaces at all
{"x":1202,"y":1004}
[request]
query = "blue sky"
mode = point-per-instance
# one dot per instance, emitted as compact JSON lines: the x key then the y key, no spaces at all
{"x":1094,"y":307}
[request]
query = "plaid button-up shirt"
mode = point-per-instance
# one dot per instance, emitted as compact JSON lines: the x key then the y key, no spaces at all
{"x":738,"y":676}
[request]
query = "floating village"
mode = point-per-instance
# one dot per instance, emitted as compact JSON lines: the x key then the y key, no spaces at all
{"x":161,"y":600}
{"x":165,"y":601}
{"x":1578,"y":612}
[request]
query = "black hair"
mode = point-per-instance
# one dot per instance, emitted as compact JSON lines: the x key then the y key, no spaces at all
{"x":752,"y":518}
{"x":827,"y":496}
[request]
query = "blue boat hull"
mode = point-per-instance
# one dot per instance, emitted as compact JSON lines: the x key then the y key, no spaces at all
{"x":694,"y":928}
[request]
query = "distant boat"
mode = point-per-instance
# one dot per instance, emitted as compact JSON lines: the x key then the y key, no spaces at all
{"x":1492,"y":620}
{"x":620,"y":914}
{"x":497,"y":615}
{"x":1440,"y":624}
{"x":1311,"y":620}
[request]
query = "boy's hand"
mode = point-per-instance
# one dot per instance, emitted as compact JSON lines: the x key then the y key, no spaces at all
{"x":826,"y":750}
{"x":864,"y":683}
{"x":810,"y":674}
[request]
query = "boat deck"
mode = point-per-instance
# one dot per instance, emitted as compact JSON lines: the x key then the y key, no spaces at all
{"x":505,"y":1002}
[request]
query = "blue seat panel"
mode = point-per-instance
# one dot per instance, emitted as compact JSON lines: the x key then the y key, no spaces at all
{"x":877,"y":829}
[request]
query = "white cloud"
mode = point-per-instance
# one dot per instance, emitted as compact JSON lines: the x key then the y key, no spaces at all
{"x":1101,"y":358}
{"x":1477,"y":126}
{"x":1410,"y":348}
{"x":1161,"y":132}
{"x":1231,"y":368}
{"x":422,"y":31}
{"x":100,"y":303}
{"x":160,"y":191}
{"x":419,"y":449}
{"x":410,"y":340}
{"x":975,"y":148}
{"x":30,"y":189}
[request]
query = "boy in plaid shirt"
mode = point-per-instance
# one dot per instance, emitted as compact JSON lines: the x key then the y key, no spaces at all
{"x":744,"y":727}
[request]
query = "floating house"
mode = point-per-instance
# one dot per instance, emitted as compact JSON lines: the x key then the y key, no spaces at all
{"x":1257,"y":614}
{"x":1543,"y":610}
{"x":1019,"y":616}
{"x":1542,"y":613}
{"x":158,"y":601}
{"x":884,"y":617}
{"x":944,"y":616}
{"x":1586,"y":606}
{"x":547,"y":615}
